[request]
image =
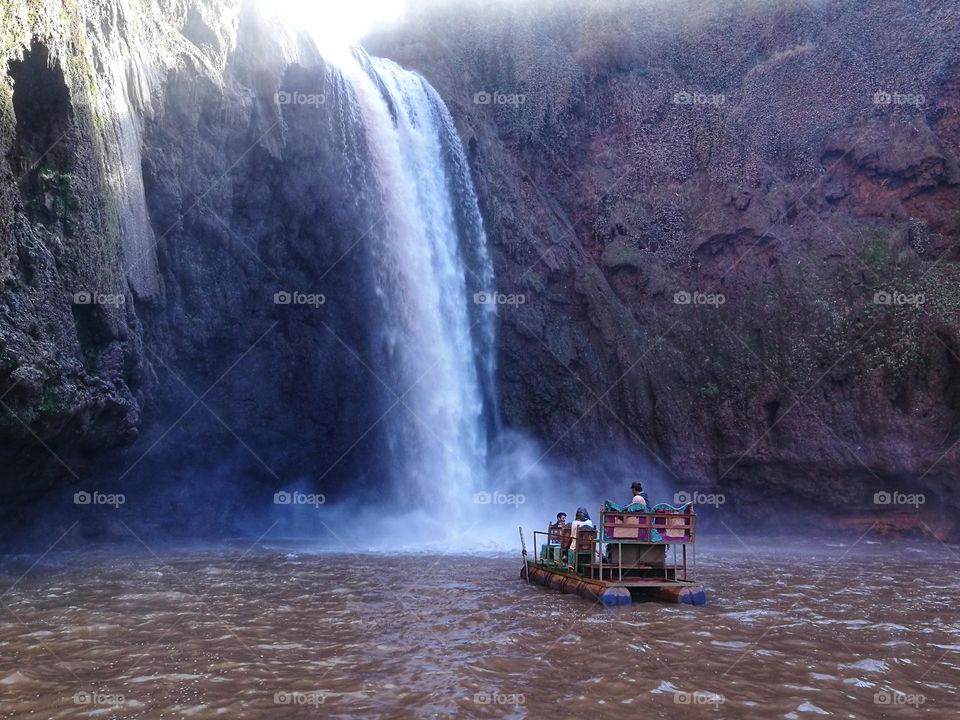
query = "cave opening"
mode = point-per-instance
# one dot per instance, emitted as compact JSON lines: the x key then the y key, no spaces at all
{"x":41,"y":155}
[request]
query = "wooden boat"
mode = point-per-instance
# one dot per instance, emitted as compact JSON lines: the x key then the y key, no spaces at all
{"x":639,"y":555}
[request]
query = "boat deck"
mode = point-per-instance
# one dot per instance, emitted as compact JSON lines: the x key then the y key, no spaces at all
{"x":625,"y":559}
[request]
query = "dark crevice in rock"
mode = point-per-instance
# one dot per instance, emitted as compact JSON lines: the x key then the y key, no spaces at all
{"x":951,"y":385}
{"x":39,"y":155}
{"x":771,"y":409}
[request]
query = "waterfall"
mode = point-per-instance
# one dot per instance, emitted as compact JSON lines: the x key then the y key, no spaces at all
{"x":433,"y":342}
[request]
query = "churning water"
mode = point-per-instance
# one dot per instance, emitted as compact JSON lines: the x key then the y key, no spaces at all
{"x":811,"y":630}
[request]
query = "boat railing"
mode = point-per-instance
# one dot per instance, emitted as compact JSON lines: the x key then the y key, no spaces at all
{"x":658,"y":538}
{"x":664,"y":524}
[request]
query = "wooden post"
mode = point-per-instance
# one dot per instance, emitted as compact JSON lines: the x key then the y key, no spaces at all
{"x":523,"y":551}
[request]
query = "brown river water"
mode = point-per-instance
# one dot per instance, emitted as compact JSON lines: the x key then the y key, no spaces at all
{"x":832,"y":629}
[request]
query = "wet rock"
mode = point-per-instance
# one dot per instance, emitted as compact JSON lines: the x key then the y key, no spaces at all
{"x":798,"y":178}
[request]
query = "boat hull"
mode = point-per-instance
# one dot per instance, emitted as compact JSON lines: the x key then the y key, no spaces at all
{"x":610,"y":593}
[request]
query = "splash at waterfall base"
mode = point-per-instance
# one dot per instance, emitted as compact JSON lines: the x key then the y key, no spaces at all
{"x":639,"y":555}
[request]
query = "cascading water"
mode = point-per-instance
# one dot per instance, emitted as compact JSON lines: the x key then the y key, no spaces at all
{"x":434,"y":467}
{"x":433,"y":342}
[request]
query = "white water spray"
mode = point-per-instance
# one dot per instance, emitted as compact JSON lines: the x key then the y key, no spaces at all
{"x":433,"y":343}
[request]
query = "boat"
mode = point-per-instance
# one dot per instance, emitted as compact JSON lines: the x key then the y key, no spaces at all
{"x":635,"y":554}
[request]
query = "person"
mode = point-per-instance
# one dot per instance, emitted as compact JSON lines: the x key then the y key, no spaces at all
{"x":582,"y":519}
{"x":637,"y":490}
{"x":556,"y":530}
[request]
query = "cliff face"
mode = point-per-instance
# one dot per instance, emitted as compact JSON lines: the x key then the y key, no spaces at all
{"x":736,"y":230}
{"x":165,"y":208}
{"x":67,"y":333}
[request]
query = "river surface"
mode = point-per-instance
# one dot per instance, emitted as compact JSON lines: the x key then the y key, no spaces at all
{"x":835,"y":629}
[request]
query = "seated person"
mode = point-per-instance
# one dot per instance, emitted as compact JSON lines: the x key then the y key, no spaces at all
{"x":582,"y":520}
{"x":556,"y":529}
{"x":636,"y":489}
{"x":583,"y":550}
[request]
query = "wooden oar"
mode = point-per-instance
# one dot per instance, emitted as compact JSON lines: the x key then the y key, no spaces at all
{"x":523,"y":551}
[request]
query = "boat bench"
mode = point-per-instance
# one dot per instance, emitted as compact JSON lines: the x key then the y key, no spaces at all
{"x":664,"y":523}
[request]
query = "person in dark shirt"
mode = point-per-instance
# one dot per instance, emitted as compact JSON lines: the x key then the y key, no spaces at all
{"x":556,"y":529}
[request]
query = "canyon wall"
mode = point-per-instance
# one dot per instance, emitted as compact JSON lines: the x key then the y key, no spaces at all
{"x":733,"y":228}
{"x":736,"y":230}
{"x":183,"y":318}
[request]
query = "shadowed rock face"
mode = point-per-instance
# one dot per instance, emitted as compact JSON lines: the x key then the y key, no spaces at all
{"x":799,"y":161}
{"x":723,"y":224}
{"x":67,"y":354}
{"x":193,"y":391}
{"x":251,"y":203}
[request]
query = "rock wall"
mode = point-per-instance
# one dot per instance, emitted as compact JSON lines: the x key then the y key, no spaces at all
{"x":159,"y":193}
{"x":68,"y":334}
{"x":637,"y":162}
